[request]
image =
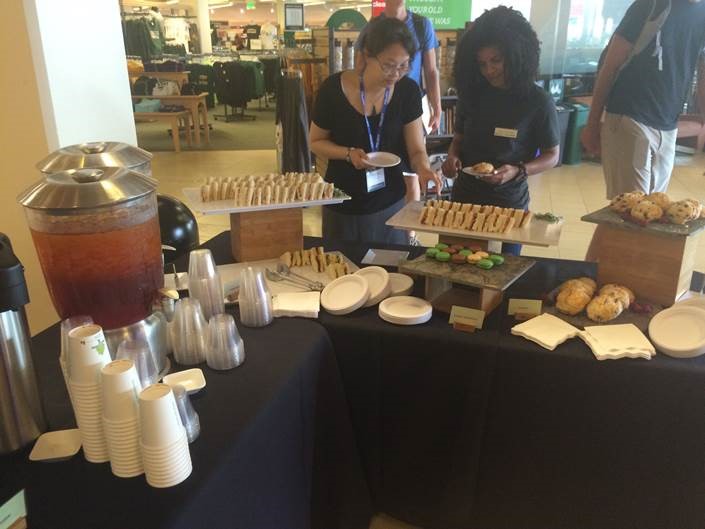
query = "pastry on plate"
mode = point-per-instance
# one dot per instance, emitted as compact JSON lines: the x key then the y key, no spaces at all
{"x":621,"y":292}
{"x":483,"y":168}
{"x":681,"y":212}
{"x":572,"y":300}
{"x":626,"y":201}
{"x":647,"y":211}
{"x":604,"y":308}
{"x":660,"y":199}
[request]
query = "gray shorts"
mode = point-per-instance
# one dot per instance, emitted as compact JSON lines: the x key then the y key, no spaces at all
{"x":636,"y":157}
{"x":368,"y":228}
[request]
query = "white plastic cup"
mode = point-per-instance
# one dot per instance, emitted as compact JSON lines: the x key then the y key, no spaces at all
{"x":160,"y":423}
{"x":120,"y":389}
{"x":88,"y":353}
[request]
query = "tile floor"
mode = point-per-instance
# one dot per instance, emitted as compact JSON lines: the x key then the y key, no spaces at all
{"x":570,"y":191}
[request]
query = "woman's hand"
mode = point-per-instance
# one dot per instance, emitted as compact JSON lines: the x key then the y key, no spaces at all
{"x":502,"y":175}
{"x":590,"y":138}
{"x":427,"y":175}
{"x":451,"y":166}
{"x":356,"y":158}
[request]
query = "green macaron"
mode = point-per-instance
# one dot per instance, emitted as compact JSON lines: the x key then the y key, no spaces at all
{"x":443,"y":257}
{"x":431,"y":252}
{"x":441,"y":246}
{"x":465,"y":253}
{"x":485,"y":264}
{"x":497,"y":259}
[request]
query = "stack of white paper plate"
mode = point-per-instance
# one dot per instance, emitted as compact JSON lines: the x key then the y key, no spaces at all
{"x":345,"y":295}
{"x":679,"y":331}
{"x":402,"y":285}
{"x":378,"y":280}
{"x":405,"y":310}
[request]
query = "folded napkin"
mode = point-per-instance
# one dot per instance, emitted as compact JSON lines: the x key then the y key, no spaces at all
{"x":611,"y":342}
{"x":546,"y":330}
{"x":297,"y":305}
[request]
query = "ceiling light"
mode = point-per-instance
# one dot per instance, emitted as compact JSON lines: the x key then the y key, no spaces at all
{"x":271,"y":10}
{"x":172,"y":2}
{"x":217,"y":6}
{"x":242,"y":10}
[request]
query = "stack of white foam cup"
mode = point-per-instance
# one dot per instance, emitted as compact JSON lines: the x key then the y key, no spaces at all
{"x":165,"y":450}
{"x":88,"y":353}
{"x":121,"y":387}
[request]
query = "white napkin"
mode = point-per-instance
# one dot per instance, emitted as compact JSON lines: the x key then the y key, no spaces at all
{"x":611,"y":342}
{"x":297,"y":305}
{"x":546,"y":330}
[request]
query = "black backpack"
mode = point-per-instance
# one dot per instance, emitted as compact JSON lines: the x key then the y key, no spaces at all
{"x":144,"y":86}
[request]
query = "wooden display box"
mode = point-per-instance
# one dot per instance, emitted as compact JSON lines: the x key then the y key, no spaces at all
{"x":656,"y":267}
{"x":470,"y":297}
{"x":259,"y":235}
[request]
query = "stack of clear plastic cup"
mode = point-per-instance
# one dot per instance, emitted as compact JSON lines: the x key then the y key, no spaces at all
{"x":138,"y":351}
{"x":66,"y":326}
{"x":189,"y":332}
{"x":121,"y":386}
{"x":88,"y":353}
{"x":165,"y":453}
{"x":255,"y":299}
{"x":224,"y":347}
{"x":189,"y":417}
{"x":204,"y":283}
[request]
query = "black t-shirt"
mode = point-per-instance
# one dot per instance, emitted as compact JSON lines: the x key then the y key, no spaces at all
{"x":642,"y":92}
{"x":334,"y":113}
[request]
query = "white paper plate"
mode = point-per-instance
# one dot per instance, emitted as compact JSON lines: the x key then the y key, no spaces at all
{"x":378,"y":281}
{"x":382,"y":159}
{"x":402,"y":284}
{"x":696,"y":301}
{"x":53,"y":446}
{"x":192,"y":380}
{"x":405,"y":310}
{"x":469,"y":171}
{"x":679,"y":331}
{"x":345,"y":295}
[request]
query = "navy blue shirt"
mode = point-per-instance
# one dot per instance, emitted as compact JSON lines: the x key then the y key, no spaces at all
{"x":429,"y":42}
{"x":642,"y":92}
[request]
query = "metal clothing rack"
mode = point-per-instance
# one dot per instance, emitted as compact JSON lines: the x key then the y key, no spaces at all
{"x":234,"y":115}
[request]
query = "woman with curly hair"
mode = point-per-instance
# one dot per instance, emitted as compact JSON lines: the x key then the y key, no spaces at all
{"x":502,"y":117}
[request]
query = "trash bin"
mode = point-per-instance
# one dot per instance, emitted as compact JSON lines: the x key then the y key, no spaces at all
{"x":564,"y":114}
{"x":573,"y":152}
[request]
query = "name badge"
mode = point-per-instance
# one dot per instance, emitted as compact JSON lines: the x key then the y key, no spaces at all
{"x":375,"y":180}
{"x":506,"y":133}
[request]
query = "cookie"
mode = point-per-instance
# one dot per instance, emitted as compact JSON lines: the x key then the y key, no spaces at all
{"x":646,"y":211}
{"x":572,"y":300}
{"x":680,"y":212}
{"x":604,"y":308}
{"x":660,"y":199}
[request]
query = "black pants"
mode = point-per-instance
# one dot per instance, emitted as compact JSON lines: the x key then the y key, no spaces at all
{"x":368,"y":227}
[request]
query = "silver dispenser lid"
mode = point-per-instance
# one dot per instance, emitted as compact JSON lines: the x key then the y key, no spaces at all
{"x":87,"y":188}
{"x":94,"y":154}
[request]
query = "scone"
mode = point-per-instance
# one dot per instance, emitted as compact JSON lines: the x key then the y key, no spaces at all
{"x":626,"y":201}
{"x":698,"y":207}
{"x":660,"y":199}
{"x":572,"y":300}
{"x":614,"y":286}
{"x":483,"y":168}
{"x":621,"y":294}
{"x":583,"y":283}
{"x":680,"y":212}
{"x":604,"y":308}
{"x":647,"y":211}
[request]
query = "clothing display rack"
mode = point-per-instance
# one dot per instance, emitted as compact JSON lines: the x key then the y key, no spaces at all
{"x":236,"y":84}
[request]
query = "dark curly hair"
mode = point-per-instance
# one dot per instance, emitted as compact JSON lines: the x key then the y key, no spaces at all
{"x":508,"y":31}
{"x":382,"y":32}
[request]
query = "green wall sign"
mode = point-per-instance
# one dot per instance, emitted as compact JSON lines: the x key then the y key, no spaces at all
{"x":445,"y":14}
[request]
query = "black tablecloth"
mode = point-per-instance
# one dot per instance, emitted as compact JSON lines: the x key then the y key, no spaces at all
{"x":276,"y":449}
{"x":490,"y":431}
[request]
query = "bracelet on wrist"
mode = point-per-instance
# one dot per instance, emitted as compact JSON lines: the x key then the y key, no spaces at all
{"x":347,"y":155}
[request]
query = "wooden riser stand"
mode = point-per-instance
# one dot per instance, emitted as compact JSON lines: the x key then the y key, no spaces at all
{"x":260,"y":235}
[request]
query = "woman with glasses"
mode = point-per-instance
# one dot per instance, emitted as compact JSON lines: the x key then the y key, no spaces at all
{"x":502,"y":117}
{"x":374,"y":108}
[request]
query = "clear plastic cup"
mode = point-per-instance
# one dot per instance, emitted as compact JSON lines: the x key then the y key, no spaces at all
{"x":189,"y":417}
{"x":205,"y":283}
{"x":255,"y":300}
{"x":189,"y":332}
{"x":88,"y":353}
{"x":120,"y":387}
{"x":160,"y":422}
{"x":140,"y":354}
{"x":225,"y":347}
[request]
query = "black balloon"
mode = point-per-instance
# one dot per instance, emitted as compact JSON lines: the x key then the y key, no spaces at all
{"x":177,"y":225}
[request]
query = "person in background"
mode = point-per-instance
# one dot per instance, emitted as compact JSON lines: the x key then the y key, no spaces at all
{"x":502,"y":117}
{"x":372,"y":108}
{"x":643,"y":82}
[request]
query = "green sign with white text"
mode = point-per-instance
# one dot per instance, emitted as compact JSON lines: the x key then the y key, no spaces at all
{"x":444,"y":14}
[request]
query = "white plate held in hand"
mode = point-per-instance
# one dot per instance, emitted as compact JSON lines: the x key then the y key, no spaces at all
{"x":405,"y":310}
{"x":345,"y":295}
{"x":381,"y":159}
{"x":378,"y":281}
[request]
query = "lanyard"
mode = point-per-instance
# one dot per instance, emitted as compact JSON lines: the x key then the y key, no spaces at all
{"x":374,"y":145}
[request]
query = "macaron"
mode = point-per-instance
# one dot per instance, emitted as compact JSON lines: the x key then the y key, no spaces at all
{"x":465,"y":253}
{"x":497,"y":259}
{"x":482,"y":254}
{"x":485,"y":264}
{"x":443,"y":257}
{"x":458,"y":247}
{"x":431,"y":252}
{"x":473,"y":258}
{"x":441,"y":246}
{"x":451,"y":251}
{"x":458,"y":259}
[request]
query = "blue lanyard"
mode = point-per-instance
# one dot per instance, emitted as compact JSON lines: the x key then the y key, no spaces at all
{"x":374,"y":145}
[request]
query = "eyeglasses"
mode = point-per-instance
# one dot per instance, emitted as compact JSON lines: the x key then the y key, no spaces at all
{"x":392,"y":69}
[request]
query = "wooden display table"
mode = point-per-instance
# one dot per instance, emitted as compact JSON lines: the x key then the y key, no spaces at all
{"x":656,"y":261}
{"x":179,"y":77}
{"x":174,"y":118}
{"x":195,"y":104}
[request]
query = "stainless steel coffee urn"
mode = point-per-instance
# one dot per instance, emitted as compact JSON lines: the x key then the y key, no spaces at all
{"x":21,"y":416}
{"x":96,"y":155}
